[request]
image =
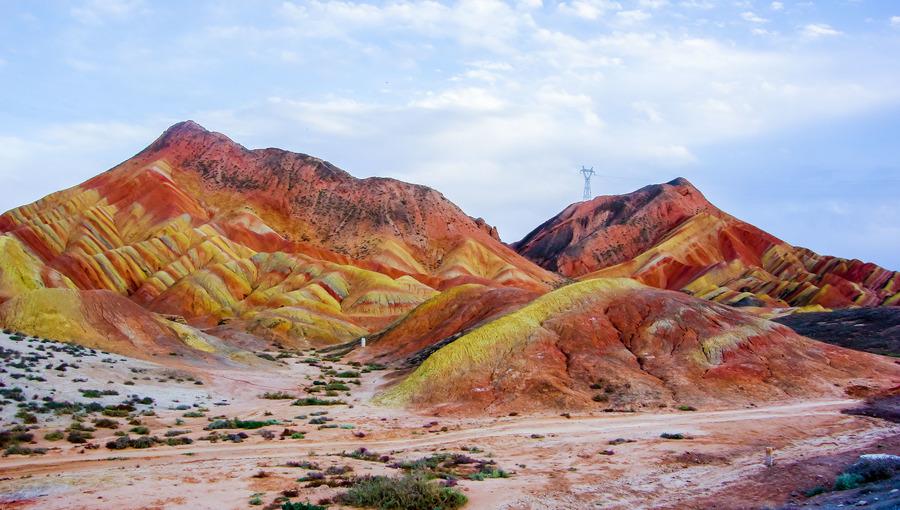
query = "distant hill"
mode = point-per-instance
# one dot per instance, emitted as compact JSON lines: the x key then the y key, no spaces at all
{"x":670,"y":236}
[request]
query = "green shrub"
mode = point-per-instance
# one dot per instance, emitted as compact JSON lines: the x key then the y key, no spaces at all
{"x":872,"y":468}
{"x":349,"y":374}
{"x":239,"y":424}
{"x":670,"y":435}
{"x":14,"y":436}
{"x":140,"y":430}
{"x":287,"y":505}
{"x":125,"y":442}
{"x":78,"y":437}
{"x":846,"y":481}
{"x":106,"y":423}
{"x":686,"y":408}
{"x":313,"y":401}
{"x":488,"y":472}
{"x":23,"y":450}
{"x":56,"y":435}
{"x":277,"y":395}
{"x":410,"y":492}
{"x":177,"y":441}
{"x":815,"y":491}
{"x":26,"y":417}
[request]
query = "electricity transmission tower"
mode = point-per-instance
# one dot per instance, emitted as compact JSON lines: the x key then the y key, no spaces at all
{"x":587,"y":173}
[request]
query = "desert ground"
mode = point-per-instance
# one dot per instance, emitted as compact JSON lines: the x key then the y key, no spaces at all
{"x":714,"y":458}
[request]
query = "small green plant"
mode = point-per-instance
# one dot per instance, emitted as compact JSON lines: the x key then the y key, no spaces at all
{"x":26,"y":417}
{"x":140,"y":430}
{"x":313,"y":401}
{"x":23,"y":450}
{"x":671,"y":435}
{"x":846,"y":481}
{"x":815,"y":491}
{"x":686,"y":408}
{"x":78,"y":436}
{"x":287,"y":505}
{"x":239,"y":424}
{"x":56,"y":435}
{"x":277,"y":395}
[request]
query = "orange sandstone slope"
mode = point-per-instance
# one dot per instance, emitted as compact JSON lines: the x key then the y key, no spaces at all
{"x":669,"y":236}
{"x":278,"y":244}
{"x":614,"y":343}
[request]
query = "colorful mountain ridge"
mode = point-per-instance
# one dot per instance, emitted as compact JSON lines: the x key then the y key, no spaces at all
{"x":669,"y":236}
{"x":613,"y":343}
{"x":201,"y":248}
{"x":279,"y":244}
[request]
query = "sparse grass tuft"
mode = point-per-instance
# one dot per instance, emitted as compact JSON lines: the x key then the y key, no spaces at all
{"x":277,"y":395}
{"x":313,"y":401}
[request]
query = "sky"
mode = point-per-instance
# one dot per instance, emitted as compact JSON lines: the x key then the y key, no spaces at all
{"x":784,"y":113}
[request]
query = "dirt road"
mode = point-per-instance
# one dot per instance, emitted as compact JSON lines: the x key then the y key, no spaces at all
{"x":635,"y":425}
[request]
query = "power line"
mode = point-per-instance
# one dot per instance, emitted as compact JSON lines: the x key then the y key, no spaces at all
{"x":587,"y":173}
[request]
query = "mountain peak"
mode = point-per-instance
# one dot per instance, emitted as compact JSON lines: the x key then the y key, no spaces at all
{"x":611,"y":229}
{"x":680,"y":181}
{"x":187,"y":133}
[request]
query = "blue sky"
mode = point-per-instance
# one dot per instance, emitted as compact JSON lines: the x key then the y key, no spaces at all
{"x":786,"y":114}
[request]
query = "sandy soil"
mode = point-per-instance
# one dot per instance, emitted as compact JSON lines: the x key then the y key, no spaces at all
{"x":554,"y":462}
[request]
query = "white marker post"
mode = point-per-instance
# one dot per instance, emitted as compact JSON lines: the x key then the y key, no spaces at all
{"x":362,"y":342}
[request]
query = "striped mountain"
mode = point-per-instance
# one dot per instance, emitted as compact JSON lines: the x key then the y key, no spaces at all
{"x":284,"y":246}
{"x":670,"y":236}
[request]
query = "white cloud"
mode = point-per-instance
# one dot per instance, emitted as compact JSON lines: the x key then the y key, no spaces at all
{"x":631,"y":17}
{"x":776,"y":6}
{"x":817,"y":30}
{"x":653,"y":4}
{"x":752,"y":17}
{"x":762,"y":32}
{"x":468,"y":98}
{"x":588,"y":9}
{"x":895,"y":21}
{"x":490,"y":24}
{"x":95,"y":12}
{"x":531,"y":4}
{"x":479,"y":89}
{"x":46,"y":160}
{"x":648,"y":111}
{"x":698,"y":4}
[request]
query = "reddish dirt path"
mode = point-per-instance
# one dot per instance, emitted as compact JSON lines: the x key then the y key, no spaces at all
{"x":561,"y":469}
